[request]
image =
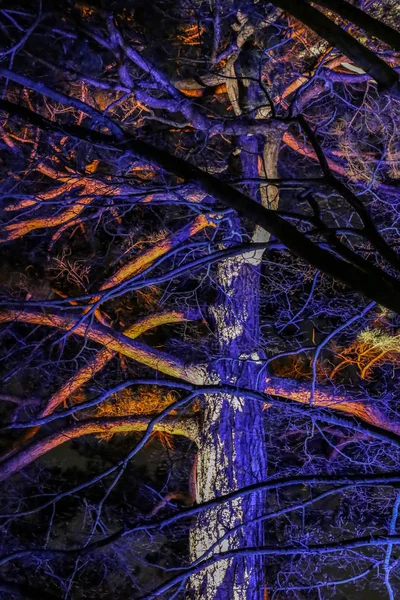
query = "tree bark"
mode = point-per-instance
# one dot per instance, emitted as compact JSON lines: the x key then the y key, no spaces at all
{"x":232,"y":451}
{"x":231,"y":454}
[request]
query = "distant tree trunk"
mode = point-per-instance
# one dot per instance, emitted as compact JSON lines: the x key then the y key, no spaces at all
{"x":232,"y":451}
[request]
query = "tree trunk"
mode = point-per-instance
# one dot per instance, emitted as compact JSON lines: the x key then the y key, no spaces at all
{"x":232,"y":450}
{"x":231,"y":455}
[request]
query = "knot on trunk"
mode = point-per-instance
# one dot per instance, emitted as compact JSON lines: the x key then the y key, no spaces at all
{"x":248,"y":370}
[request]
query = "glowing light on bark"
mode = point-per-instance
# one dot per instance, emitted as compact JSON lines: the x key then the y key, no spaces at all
{"x":301,"y":392}
{"x":105,"y":426}
{"x":114,"y":341}
{"x":88,"y":371}
{"x":231,"y":425}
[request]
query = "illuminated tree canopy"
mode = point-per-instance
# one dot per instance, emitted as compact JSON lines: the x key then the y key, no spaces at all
{"x":200,"y":299}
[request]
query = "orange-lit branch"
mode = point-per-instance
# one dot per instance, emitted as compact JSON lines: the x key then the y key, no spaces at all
{"x":140,"y":263}
{"x":145,"y":259}
{"x":170,"y":425}
{"x":301,"y":147}
{"x":101,"y":358}
{"x":360,"y":55}
{"x":324,"y":398}
{"x":92,"y":367}
{"x":86,"y":190}
{"x":372,"y":347}
{"x":68,"y":181}
{"x":300,"y":81}
{"x":65,"y":188}
{"x":17,"y":230}
{"x":291,"y":389}
{"x":112,"y":340}
{"x":132,"y":268}
{"x":191,"y":35}
{"x":306,"y":150}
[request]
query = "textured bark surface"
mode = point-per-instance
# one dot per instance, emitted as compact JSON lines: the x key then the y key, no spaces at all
{"x":232,"y":454}
{"x":232,"y":450}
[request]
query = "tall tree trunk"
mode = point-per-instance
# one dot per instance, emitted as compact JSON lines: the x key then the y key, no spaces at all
{"x":232,"y":451}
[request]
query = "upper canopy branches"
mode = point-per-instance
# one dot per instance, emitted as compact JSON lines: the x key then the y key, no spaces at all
{"x":372,"y":282}
{"x":384,"y":75}
{"x":363,"y":20}
{"x":89,"y":96}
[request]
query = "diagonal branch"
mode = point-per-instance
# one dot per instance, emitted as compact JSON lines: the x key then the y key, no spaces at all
{"x":101,"y":425}
{"x":369,"y":228}
{"x":324,"y":397}
{"x":93,"y":366}
{"x":296,"y":550}
{"x":375,"y":428}
{"x":384,"y":75}
{"x":145,"y":259}
{"x":112,"y":340}
{"x":363,"y":20}
{"x":57,"y":96}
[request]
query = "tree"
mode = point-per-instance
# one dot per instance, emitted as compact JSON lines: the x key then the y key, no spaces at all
{"x":223,"y":187}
